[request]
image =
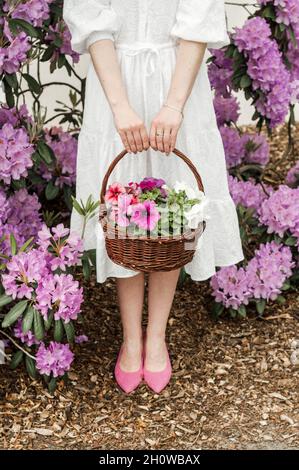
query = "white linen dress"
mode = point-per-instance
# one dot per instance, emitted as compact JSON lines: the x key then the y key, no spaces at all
{"x":146,"y":34}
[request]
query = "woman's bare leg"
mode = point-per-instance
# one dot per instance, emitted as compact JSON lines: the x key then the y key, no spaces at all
{"x":161,"y":289}
{"x":130,"y":292}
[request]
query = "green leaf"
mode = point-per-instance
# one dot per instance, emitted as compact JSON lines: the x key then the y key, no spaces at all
{"x":13,"y":244}
{"x":52,"y":385}
{"x":52,"y":191}
{"x":233,"y":312}
{"x":242,"y":311}
{"x":16,"y":359}
{"x":86,"y":267}
{"x":26,"y":245}
{"x":38,"y":325}
{"x":48,"y":53}
{"x":245,"y":81}
{"x":9,"y":96}
{"x":16,"y":24}
{"x":12,"y":80}
{"x":30,"y":366}
{"x":45,"y":152}
{"x":28,"y":319}
{"x":32,"y":83}
{"x":92,"y":257}
{"x":286,"y":285}
{"x":291,"y":241}
{"x":260,"y":306}
{"x":48,"y":322}
{"x":77,"y":206}
{"x":281,"y":299}
{"x":269,"y":12}
{"x":58,"y":330}
{"x":70,"y":331}
{"x":5,"y":299}
{"x":14,"y":313}
{"x":217,"y":309}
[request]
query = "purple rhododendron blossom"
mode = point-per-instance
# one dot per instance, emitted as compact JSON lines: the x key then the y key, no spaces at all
{"x":256,"y":149}
{"x":24,"y":271}
{"x":227,"y":109}
{"x":60,"y":293}
{"x":269,"y":268}
{"x":266,"y":68}
{"x":230,"y":287}
{"x":280,"y":212}
{"x":292,"y":178}
{"x":61,"y":30}
{"x":15,"y":153}
{"x":27,"y":338}
{"x":19,"y":215}
{"x":34,"y":12}
{"x":248,"y":193}
{"x":65,"y":247}
{"x":220,"y":72}
{"x":55,"y":359}
{"x":233,"y":146}
{"x":64,"y":145}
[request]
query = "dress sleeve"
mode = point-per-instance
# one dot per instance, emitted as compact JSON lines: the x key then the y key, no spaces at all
{"x":89,"y":21}
{"x":202,"y":21}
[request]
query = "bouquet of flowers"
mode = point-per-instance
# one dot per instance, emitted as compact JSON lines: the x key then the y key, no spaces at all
{"x":151,"y":208}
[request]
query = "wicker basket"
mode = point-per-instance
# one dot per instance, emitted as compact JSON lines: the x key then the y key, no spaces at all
{"x":145,"y":253}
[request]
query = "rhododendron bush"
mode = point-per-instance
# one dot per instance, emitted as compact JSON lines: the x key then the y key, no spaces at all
{"x":41,"y":299}
{"x":41,"y":262}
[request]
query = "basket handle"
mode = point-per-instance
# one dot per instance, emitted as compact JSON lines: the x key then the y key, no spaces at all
{"x":124,"y":152}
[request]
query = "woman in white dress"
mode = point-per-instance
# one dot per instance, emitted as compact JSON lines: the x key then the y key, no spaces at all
{"x":147,"y":69}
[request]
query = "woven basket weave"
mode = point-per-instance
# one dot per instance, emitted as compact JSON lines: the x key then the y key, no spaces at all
{"x":148,"y":253}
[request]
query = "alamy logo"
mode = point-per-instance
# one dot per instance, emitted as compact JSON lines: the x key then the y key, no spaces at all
{"x":2,"y":352}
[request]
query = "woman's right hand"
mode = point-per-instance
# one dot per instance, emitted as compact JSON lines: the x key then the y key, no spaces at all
{"x":130,"y":128}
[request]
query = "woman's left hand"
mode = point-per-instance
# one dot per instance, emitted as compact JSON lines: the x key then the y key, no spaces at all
{"x":164,"y":130}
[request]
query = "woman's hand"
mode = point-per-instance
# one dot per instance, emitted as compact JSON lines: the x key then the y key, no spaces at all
{"x":166,"y":124}
{"x":131,"y":129}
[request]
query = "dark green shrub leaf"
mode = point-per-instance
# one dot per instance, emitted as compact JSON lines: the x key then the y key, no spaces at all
{"x":245,"y":81}
{"x":38,"y":325}
{"x":260,"y":306}
{"x":16,"y":359}
{"x":28,"y":319}
{"x":52,"y":385}
{"x":70,"y":331}
{"x":14,"y":313}
{"x":30,"y":366}
{"x":58,"y":331}
{"x":13,"y":244}
{"x":242,"y":311}
{"x":49,"y":321}
{"x":52,"y":191}
{"x":32,"y":83}
{"x":16,"y":24}
{"x":45,"y":152}
{"x":5,"y":299}
{"x":217,"y":309}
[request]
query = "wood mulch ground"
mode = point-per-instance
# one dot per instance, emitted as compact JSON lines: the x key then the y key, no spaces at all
{"x":233,"y":385}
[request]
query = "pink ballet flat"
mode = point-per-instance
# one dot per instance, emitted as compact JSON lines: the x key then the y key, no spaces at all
{"x":157,"y":381}
{"x":127,"y":381}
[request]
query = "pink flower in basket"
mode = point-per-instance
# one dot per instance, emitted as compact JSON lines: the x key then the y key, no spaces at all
{"x":145,"y":214}
{"x":149,"y":183}
{"x":113,"y":192}
{"x":120,"y":212}
{"x":134,"y":190}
